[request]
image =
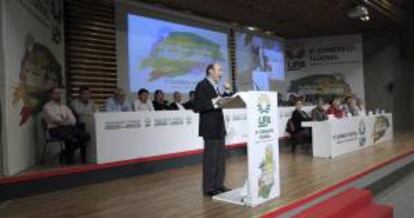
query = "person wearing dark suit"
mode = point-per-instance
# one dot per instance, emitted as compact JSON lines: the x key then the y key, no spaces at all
{"x":176,"y":104}
{"x":302,"y":135}
{"x":159,"y":103}
{"x":298,"y":116}
{"x":189,"y":104}
{"x":208,"y":103}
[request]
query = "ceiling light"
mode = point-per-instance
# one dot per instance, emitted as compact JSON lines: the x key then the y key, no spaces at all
{"x":252,"y":28}
{"x":365,"y":18}
{"x":359,"y":11}
{"x":268,"y":32}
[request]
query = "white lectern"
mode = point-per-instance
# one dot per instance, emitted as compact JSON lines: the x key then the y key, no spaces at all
{"x":263,"y":182}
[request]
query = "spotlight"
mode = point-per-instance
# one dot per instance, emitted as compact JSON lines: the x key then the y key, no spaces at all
{"x":252,"y":28}
{"x":365,"y":18}
{"x":360,"y":12}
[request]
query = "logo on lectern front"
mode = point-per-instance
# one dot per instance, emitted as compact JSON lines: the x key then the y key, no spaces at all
{"x":263,"y":104}
{"x":263,"y":107}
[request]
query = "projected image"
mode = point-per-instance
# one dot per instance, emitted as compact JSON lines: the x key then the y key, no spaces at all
{"x":169,"y":56}
{"x":260,"y":62}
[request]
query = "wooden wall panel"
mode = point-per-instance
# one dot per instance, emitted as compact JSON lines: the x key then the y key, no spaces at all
{"x":91,"y":47}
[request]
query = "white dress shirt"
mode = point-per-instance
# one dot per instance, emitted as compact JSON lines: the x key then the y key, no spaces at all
{"x":81,"y":108}
{"x":141,"y":106}
{"x":180,"y":106}
{"x":57,"y":114}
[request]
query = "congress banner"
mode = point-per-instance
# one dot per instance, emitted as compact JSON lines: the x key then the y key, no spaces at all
{"x":324,"y":67}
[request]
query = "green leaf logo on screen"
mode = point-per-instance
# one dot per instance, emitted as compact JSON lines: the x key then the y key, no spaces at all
{"x":179,"y":53}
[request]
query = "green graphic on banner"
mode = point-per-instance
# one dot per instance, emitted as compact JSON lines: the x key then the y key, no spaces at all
{"x":267,"y":168}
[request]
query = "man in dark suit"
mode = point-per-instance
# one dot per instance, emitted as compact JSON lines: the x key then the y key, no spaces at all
{"x":208,"y":103}
{"x":159,"y":103}
{"x":176,"y":104}
{"x":189,"y":104}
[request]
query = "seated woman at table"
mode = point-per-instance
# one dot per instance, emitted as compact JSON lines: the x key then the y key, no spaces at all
{"x":319,"y":113}
{"x":301,"y":135}
{"x":349,"y":108}
{"x":334,"y":109}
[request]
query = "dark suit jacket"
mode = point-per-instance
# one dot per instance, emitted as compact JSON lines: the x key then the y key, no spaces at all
{"x":160,"y":107}
{"x":173,"y":106}
{"x":211,"y":124}
{"x":188,"y":105}
{"x":298,"y":117}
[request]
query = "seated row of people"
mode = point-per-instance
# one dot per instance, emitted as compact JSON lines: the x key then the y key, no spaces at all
{"x":119,"y":103}
{"x":303,"y":135}
{"x":348,"y":109}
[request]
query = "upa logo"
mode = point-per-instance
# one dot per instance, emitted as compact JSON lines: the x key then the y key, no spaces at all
{"x":263,"y":107}
{"x":295,"y":55}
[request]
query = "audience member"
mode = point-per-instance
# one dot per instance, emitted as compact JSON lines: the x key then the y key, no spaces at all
{"x":159,"y":103}
{"x":176,"y":104}
{"x":334,"y":109}
{"x":118,"y":102}
{"x":83,"y":105}
{"x":61,"y":122}
{"x":360,"y":107}
{"x":298,"y":116}
{"x":142,"y":103}
{"x":301,"y":134}
{"x":349,"y":108}
{"x":189,"y":104}
{"x":319,"y":113}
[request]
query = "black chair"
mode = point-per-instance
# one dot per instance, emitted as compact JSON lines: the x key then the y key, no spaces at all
{"x":50,"y":140}
{"x":290,"y":128}
{"x":298,"y":137}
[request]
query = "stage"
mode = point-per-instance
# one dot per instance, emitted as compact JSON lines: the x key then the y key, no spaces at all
{"x":177,"y":193}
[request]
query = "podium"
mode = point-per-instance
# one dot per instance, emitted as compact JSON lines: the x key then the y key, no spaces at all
{"x":263,"y":181}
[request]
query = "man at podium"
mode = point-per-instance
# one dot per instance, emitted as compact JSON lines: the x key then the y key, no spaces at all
{"x":208,"y":103}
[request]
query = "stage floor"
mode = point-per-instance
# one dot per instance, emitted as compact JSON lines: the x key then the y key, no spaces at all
{"x":177,"y":193}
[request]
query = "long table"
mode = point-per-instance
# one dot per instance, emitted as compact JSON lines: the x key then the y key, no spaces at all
{"x":335,"y":137}
{"x":118,"y":136}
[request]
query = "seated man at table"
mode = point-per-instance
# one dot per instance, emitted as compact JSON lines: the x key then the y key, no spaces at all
{"x":159,"y":103}
{"x":83,"y":105}
{"x":302,"y":135}
{"x":319,"y":113}
{"x":360,"y":107}
{"x":118,"y":102}
{"x":61,"y":122}
{"x":349,"y":108}
{"x":189,"y":104}
{"x":142,"y":103}
{"x":176,"y":105}
{"x":334,"y":109}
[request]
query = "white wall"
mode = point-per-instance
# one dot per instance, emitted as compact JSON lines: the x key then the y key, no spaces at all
{"x":21,"y":141}
{"x":2,"y":91}
{"x":384,"y":65}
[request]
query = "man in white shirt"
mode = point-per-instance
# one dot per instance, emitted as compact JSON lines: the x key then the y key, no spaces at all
{"x":61,"y":122}
{"x":142,"y":103}
{"x":176,"y":105}
{"x":83,"y":105}
{"x":118,"y":103}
